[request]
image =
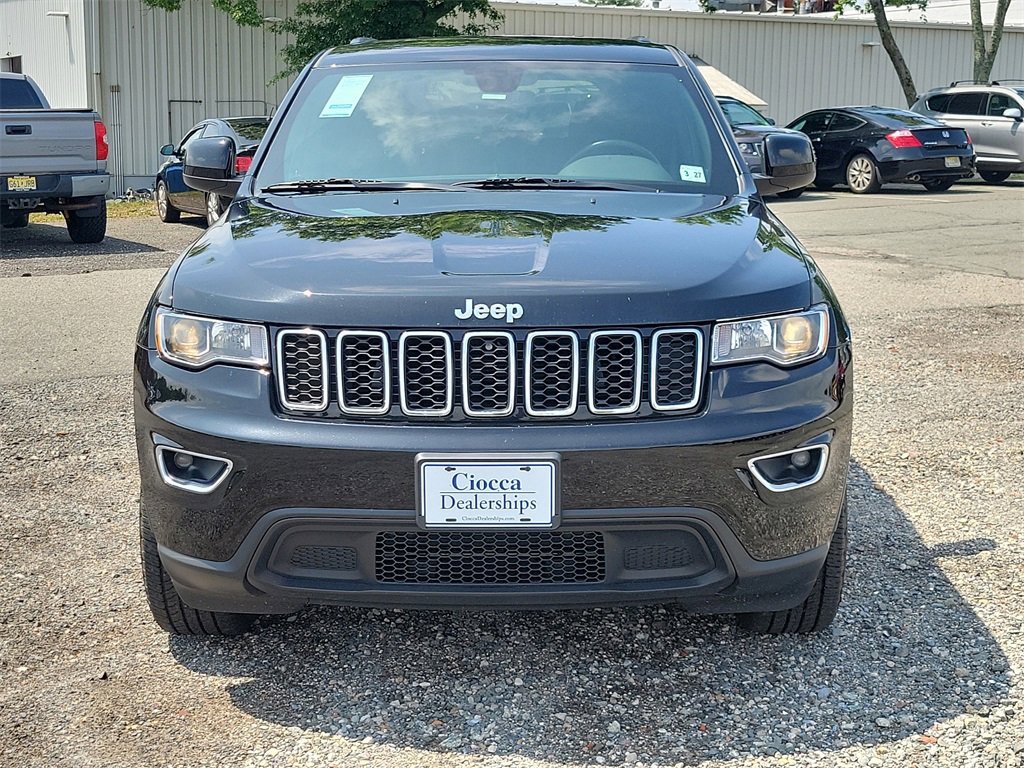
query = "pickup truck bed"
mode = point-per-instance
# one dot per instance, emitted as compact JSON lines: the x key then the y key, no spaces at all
{"x":51,"y":160}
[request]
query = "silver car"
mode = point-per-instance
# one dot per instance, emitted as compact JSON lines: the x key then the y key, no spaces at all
{"x":993,"y":116}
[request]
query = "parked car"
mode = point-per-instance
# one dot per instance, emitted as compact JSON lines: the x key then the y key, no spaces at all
{"x":993,"y":116}
{"x":866,"y":147}
{"x":52,"y":160}
{"x":472,"y":334}
{"x":749,"y":128}
{"x":174,"y":196}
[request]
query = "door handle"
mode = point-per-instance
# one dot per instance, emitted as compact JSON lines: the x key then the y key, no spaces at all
{"x":987,"y":123}
{"x":18,"y":130}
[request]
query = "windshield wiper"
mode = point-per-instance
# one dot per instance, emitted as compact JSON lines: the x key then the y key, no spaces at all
{"x":313,"y":186}
{"x":546,"y":182}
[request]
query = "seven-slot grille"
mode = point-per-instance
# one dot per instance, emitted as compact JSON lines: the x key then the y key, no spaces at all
{"x":490,"y":374}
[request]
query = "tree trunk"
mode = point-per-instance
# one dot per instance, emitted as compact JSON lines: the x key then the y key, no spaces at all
{"x":889,"y":43}
{"x":985,"y":56}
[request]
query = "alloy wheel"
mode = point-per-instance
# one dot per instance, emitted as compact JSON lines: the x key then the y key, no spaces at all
{"x":860,"y":174}
{"x":161,"y":200}
{"x":212,"y":208}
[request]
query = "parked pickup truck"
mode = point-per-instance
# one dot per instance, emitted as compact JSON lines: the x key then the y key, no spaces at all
{"x":52,"y":160}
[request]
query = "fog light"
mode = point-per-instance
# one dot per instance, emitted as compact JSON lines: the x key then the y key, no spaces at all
{"x":801,"y":459}
{"x":191,"y":471}
{"x":789,"y":470}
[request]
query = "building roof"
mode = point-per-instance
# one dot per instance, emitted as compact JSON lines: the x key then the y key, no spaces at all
{"x":949,"y":12}
{"x":723,"y":85}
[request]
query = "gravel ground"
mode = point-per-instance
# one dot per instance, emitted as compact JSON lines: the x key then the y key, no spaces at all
{"x":921,"y":668}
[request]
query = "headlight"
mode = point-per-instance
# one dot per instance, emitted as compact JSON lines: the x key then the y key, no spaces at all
{"x":783,"y":339}
{"x":198,"y":341}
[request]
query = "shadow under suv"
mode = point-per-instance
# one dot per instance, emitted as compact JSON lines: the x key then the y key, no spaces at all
{"x":471,"y":334}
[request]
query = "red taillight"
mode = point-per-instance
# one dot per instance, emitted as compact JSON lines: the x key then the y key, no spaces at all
{"x":969,"y":142}
{"x":242,"y":163}
{"x":903,"y":139}
{"x":102,"y":148}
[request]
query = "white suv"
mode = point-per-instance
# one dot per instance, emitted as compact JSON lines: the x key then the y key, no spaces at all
{"x":993,"y":115}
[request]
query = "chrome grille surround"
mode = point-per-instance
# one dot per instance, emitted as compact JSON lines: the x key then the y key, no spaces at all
{"x":532,"y":376}
{"x":659,"y":377}
{"x":475,"y":381}
{"x":291,"y":379}
{"x":394,"y":374}
{"x":617,"y":375}
{"x":363,"y":379}
{"x":414,"y":340}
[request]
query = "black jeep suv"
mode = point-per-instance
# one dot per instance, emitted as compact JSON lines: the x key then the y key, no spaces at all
{"x":495,"y":323}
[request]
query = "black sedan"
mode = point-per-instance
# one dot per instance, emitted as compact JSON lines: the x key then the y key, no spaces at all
{"x":749,"y":128}
{"x":174,"y":197}
{"x":865,"y":147}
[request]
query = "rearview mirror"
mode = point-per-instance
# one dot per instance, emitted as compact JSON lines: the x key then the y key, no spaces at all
{"x":167,"y":150}
{"x":1013,"y":112}
{"x":788,"y":163}
{"x":210,"y":166}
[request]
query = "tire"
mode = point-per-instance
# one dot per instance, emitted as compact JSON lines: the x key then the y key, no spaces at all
{"x":214,"y":208}
{"x":819,"y":609}
{"x":994,"y":177}
{"x":862,"y":175}
{"x":824,"y":186}
{"x":168,"y":213}
{"x":87,"y":229}
{"x":791,"y":194}
{"x":938,"y":185}
{"x":169,"y":611}
{"x":14,"y":219}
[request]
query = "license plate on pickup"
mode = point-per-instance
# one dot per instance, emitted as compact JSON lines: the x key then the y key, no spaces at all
{"x":952,"y":162}
{"x":487,"y":491}
{"x":21,"y":183}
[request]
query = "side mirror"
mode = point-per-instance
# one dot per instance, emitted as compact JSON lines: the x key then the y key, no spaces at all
{"x":788,"y":163}
{"x":167,"y":150}
{"x":1013,"y":112}
{"x":210,"y":166}
{"x":771,"y":120}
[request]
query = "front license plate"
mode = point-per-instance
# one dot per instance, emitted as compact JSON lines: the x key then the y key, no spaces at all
{"x":489,"y":491}
{"x":21,"y":183}
{"x":952,"y":162}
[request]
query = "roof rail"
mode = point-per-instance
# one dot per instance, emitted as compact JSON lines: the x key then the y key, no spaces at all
{"x":362,"y":40}
{"x":970,"y":82}
{"x":1007,"y":80}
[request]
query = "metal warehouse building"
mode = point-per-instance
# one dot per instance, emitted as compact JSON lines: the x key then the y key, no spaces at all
{"x":153,"y":74}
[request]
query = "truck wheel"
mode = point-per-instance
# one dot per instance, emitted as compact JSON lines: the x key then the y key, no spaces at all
{"x":87,"y":229}
{"x":817,"y":611}
{"x":170,"y":613}
{"x":167,"y":212}
{"x":791,"y":194}
{"x":862,"y":175}
{"x":938,"y":185}
{"x":994,"y":177}
{"x":14,"y":219}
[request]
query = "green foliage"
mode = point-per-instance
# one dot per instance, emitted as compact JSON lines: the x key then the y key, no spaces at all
{"x":320,"y":24}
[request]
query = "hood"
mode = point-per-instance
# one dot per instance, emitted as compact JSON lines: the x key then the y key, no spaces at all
{"x":413,"y":259}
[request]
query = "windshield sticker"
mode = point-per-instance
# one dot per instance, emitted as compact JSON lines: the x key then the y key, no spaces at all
{"x":692,"y":173}
{"x":346,"y":96}
{"x":356,"y":212}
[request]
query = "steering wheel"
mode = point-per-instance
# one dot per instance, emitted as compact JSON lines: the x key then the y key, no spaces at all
{"x":605,"y":146}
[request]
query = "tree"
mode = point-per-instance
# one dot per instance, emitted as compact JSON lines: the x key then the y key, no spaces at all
{"x":320,"y":24}
{"x":985,"y":55}
{"x":877,"y":8}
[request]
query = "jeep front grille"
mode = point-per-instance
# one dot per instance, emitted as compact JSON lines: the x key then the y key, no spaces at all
{"x":480,"y":375}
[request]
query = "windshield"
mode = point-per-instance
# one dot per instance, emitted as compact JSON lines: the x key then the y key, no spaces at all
{"x":740,"y":114}
{"x":446,"y":122}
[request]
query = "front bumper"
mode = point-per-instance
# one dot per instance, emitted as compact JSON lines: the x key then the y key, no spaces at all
{"x":668,"y":502}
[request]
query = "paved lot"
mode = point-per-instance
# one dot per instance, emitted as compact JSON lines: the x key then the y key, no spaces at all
{"x":923,"y":667}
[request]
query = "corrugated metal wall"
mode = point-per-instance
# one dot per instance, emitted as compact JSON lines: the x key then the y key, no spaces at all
{"x":795,"y":64}
{"x":163,"y":72}
{"x":52,"y":48}
{"x":158,"y":73}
